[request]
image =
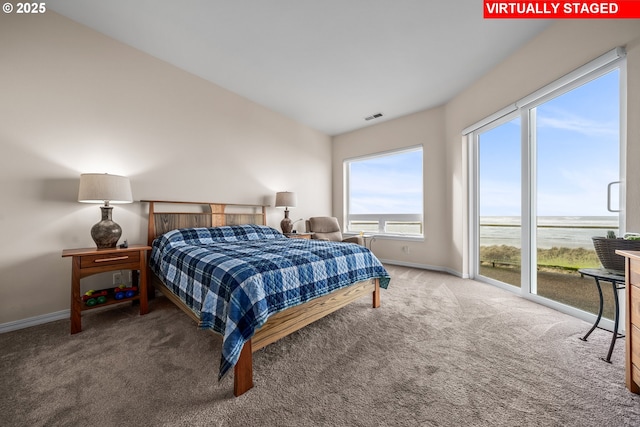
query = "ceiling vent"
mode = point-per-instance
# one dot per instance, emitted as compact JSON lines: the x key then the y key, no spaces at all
{"x":373,"y":116}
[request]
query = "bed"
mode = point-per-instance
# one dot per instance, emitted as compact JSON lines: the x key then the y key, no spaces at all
{"x":248,"y":282}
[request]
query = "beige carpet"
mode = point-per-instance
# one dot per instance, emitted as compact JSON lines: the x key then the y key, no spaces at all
{"x":440,"y":351}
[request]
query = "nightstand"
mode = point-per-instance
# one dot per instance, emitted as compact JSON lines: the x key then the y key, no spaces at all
{"x":299,"y":235}
{"x":89,"y":261}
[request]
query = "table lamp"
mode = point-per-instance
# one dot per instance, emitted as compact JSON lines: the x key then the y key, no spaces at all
{"x":99,"y":188}
{"x":286,"y":200}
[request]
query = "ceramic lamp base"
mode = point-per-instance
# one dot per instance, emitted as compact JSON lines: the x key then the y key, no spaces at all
{"x":106,"y":233}
{"x":286,"y":224}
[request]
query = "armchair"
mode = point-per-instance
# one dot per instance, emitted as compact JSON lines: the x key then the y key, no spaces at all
{"x":328,"y":228}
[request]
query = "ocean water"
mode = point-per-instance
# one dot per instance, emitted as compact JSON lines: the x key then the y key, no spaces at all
{"x":552,"y":231}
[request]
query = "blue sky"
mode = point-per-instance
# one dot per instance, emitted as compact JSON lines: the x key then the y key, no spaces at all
{"x":578,"y":155}
{"x":387,"y":184}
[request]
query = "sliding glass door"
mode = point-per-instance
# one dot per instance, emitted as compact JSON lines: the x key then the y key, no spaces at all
{"x":576,"y":136}
{"x":545,"y":180}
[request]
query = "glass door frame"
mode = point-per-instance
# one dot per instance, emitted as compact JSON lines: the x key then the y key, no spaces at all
{"x":474,"y":217}
{"x":526,"y":110}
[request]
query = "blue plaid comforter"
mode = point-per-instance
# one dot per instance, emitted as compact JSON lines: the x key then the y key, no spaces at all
{"x":235,"y":277}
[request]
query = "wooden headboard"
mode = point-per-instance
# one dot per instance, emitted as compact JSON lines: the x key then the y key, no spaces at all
{"x":204,"y":214}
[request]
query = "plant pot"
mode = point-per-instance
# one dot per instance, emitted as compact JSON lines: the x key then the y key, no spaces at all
{"x":606,"y":251}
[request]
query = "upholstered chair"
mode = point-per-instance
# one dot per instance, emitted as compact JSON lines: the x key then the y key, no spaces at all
{"x":328,"y":228}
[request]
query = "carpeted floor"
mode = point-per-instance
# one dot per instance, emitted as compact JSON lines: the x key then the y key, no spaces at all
{"x":440,"y":351}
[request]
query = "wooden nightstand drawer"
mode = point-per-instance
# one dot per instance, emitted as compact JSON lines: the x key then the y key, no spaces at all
{"x":635,"y":345}
{"x":634,"y":306}
{"x":298,"y":235}
{"x":635,"y":374}
{"x":109,"y":259}
{"x":634,"y":278}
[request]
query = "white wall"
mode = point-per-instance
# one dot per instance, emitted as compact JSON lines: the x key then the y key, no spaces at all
{"x":424,"y":128}
{"x":563,"y":47}
{"x":75,"y":101}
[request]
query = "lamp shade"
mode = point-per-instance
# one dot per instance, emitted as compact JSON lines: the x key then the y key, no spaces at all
{"x":285,"y":199}
{"x":102,"y":187}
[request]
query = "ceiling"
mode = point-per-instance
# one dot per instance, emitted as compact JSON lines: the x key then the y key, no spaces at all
{"x":327,"y":64}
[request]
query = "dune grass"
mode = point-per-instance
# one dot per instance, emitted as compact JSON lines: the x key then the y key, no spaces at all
{"x":557,"y":275}
{"x":559,"y":258}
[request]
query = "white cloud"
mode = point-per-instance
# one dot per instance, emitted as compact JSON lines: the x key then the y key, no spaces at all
{"x":499,"y":198}
{"x":564,"y":120}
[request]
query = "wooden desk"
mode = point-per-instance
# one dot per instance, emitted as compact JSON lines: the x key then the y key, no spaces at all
{"x":89,"y":261}
{"x":632,"y":322}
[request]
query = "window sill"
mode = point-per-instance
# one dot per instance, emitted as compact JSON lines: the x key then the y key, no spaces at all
{"x":402,"y":237}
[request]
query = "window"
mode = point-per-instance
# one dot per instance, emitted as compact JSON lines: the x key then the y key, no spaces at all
{"x":384,"y":193}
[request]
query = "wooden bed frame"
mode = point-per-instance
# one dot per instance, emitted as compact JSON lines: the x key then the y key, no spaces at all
{"x":278,"y":325}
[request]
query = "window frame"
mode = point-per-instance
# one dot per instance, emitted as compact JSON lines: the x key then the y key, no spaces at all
{"x":383,"y":219}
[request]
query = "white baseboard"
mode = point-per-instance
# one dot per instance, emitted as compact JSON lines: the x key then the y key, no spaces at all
{"x":33,"y":321}
{"x":64,"y":314}
{"x":425,"y":267}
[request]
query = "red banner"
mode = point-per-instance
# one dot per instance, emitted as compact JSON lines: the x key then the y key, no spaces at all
{"x":621,"y":9}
